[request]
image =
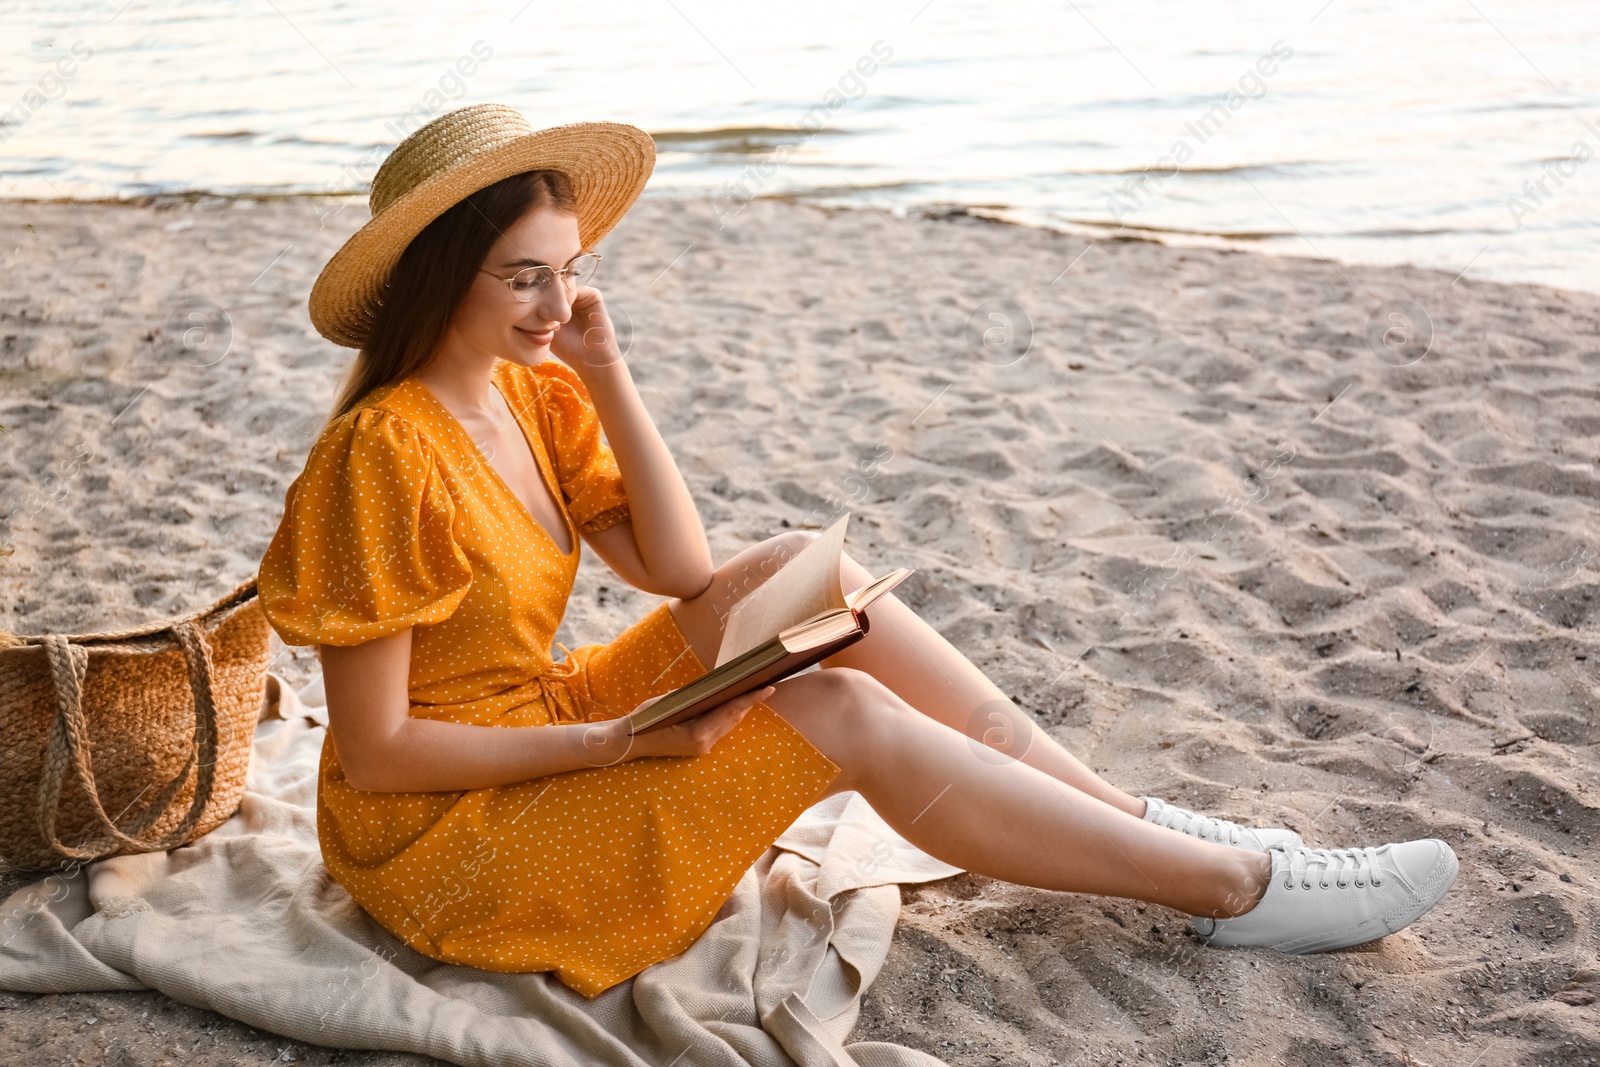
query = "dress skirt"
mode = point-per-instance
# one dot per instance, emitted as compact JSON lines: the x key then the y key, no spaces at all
{"x":594,"y":874}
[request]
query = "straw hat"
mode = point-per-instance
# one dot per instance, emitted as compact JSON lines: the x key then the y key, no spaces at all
{"x":451,"y":158}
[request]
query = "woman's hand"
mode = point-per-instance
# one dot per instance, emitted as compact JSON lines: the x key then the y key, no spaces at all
{"x":694,"y":737}
{"x":587,"y":339}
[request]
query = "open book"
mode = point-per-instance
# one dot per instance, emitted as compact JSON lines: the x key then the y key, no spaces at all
{"x":794,"y":619}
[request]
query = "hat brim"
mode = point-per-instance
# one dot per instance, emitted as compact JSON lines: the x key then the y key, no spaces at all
{"x":608,"y":162}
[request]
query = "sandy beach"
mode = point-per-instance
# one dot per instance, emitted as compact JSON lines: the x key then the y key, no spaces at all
{"x":1285,"y":540}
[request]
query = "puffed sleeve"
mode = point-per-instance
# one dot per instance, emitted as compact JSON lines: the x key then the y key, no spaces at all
{"x":365,"y":547}
{"x":585,"y":466}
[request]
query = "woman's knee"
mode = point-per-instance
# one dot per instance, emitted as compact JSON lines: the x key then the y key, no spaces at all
{"x":702,"y":618}
{"x":747,"y":569}
{"x":842,"y":705}
{"x":846,"y":689}
{"x":779,"y":549}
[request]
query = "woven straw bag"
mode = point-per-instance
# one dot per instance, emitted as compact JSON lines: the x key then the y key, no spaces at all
{"x":153,"y":723}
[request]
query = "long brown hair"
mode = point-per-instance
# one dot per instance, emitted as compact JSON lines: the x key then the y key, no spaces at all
{"x":435,"y":272}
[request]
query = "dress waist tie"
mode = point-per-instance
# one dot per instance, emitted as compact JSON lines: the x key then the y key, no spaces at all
{"x":558,"y":697}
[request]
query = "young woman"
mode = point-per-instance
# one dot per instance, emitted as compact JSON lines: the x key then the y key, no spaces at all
{"x":484,"y":802}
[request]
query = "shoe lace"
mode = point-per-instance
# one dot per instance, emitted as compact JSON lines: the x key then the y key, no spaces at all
{"x":1203,"y":826}
{"x":1361,"y":863}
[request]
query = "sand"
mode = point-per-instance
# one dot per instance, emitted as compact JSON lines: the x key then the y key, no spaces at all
{"x":1213,"y":529}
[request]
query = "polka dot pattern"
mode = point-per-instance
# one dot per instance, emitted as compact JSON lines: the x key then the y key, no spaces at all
{"x":398,"y":521}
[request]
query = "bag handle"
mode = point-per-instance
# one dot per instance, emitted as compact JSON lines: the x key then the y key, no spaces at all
{"x":69,"y":746}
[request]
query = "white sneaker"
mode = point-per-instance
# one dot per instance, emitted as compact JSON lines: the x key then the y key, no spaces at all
{"x":1220,"y":831}
{"x":1321,"y":899}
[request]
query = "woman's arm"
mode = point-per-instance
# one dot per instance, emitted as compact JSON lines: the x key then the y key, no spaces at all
{"x":384,"y":750}
{"x":663,"y":550}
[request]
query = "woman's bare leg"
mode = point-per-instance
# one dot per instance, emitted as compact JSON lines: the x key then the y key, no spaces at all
{"x":957,"y":801}
{"x":906,"y":655}
{"x":910,"y":657}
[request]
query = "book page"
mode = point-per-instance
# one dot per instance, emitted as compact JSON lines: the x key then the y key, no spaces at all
{"x":807,"y":585}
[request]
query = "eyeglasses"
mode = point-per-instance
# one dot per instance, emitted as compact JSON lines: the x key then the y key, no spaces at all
{"x":529,"y":282}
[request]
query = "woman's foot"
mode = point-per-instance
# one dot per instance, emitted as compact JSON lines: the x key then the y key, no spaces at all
{"x":1220,"y":831}
{"x":1320,"y":899}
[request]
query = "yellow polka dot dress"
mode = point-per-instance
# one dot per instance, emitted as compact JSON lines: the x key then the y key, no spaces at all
{"x":398,"y":521}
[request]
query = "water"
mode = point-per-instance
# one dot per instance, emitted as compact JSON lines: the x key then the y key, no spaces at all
{"x":1447,"y":133}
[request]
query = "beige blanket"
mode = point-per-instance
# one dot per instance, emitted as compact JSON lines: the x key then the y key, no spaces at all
{"x":247,"y":922}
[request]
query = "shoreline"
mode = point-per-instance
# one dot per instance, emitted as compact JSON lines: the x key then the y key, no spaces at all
{"x":834,"y":199}
{"x":1212,"y":530}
